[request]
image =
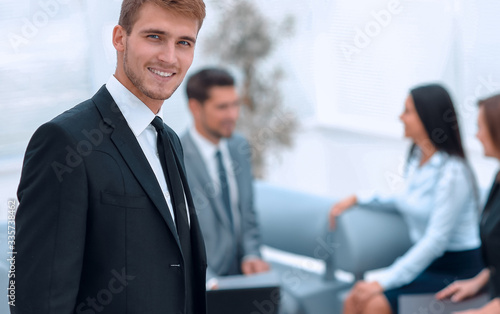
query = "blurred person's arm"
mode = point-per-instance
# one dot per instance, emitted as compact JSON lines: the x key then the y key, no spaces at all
{"x":340,"y":207}
{"x":373,"y":200}
{"x":463,"y":289}
{"x":254,"y":265}
{"x":452,"y":191}
{"x":252,"y":261}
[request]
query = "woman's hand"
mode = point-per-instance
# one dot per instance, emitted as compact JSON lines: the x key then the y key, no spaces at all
{"x":363,"y":291}
{"x":340,"y":207}
{"x":463,"y":289}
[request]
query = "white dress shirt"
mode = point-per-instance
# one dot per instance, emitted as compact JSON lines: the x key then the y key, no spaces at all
{"x":139,"y":118}
{"x":440,"y":207}
{"x":208,"y":152}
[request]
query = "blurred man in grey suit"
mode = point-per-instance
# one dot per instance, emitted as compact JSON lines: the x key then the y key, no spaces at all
{"x":218,"y":166}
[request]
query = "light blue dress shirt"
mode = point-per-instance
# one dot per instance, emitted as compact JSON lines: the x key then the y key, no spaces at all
{"x":440,"y":207}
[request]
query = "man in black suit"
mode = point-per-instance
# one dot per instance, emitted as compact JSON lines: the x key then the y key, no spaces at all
{"x":106,"y":222}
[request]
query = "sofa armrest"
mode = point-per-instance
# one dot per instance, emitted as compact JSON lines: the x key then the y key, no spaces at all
{"x":369,"y":239}
{"x":293,"y":221}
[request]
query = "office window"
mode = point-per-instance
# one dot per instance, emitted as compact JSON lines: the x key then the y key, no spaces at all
{"x":375,"y":51}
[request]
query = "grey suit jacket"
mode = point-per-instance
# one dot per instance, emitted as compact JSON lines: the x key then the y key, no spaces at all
{"x":225,"y":249}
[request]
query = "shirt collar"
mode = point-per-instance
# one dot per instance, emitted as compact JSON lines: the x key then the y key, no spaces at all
{"x":436,"y":160}
{"x":136,"y":113}
{"x":207,"y":148}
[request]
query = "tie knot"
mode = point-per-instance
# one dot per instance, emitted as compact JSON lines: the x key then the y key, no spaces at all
{"x":158,"y":123}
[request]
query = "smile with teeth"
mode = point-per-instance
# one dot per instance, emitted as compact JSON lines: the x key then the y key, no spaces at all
{"x":162,"y":74}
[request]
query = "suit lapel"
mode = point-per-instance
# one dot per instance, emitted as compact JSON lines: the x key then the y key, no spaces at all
{"x":198,"y":168}
{"x":126,"y":143}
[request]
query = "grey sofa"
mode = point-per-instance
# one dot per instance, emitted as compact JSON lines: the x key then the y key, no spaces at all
{"x":297,"y":222}
{"x":363,"y":240}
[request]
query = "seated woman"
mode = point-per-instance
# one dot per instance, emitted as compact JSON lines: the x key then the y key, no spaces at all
{"x":439,"y":204}
{"x":489,"y":135}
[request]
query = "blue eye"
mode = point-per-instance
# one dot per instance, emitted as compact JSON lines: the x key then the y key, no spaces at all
{"x":154,"y":36}
{"x":184,"y":43}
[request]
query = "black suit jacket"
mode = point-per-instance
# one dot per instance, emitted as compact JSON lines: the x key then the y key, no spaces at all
{"x":94,"y":233}
{"x":490,"y":237}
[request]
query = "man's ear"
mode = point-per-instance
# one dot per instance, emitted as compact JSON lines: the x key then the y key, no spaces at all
{"x":119,"y":38}
{"x":195,"y":107}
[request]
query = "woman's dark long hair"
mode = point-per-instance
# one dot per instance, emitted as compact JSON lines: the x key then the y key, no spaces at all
{"x":437,"y":113}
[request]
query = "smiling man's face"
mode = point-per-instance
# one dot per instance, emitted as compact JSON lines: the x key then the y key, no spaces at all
{"x":154,"y":58}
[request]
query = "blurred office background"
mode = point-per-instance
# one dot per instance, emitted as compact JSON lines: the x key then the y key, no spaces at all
{"x":347,"y":69}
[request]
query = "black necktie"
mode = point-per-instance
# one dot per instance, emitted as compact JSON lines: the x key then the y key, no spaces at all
{"x":224,"y":186}
{"x":174,"y":183}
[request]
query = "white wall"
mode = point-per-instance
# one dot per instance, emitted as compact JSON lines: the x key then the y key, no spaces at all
{"x":335,"y":162}
{"x":334,"y":154}
{"x":353,"y":140}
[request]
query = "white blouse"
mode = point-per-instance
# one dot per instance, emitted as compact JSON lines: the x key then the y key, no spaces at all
{"x":440,"y":207}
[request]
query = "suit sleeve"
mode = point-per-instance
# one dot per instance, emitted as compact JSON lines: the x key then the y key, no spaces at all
{"x":249,"y":222}
{"x":50,"y":224}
